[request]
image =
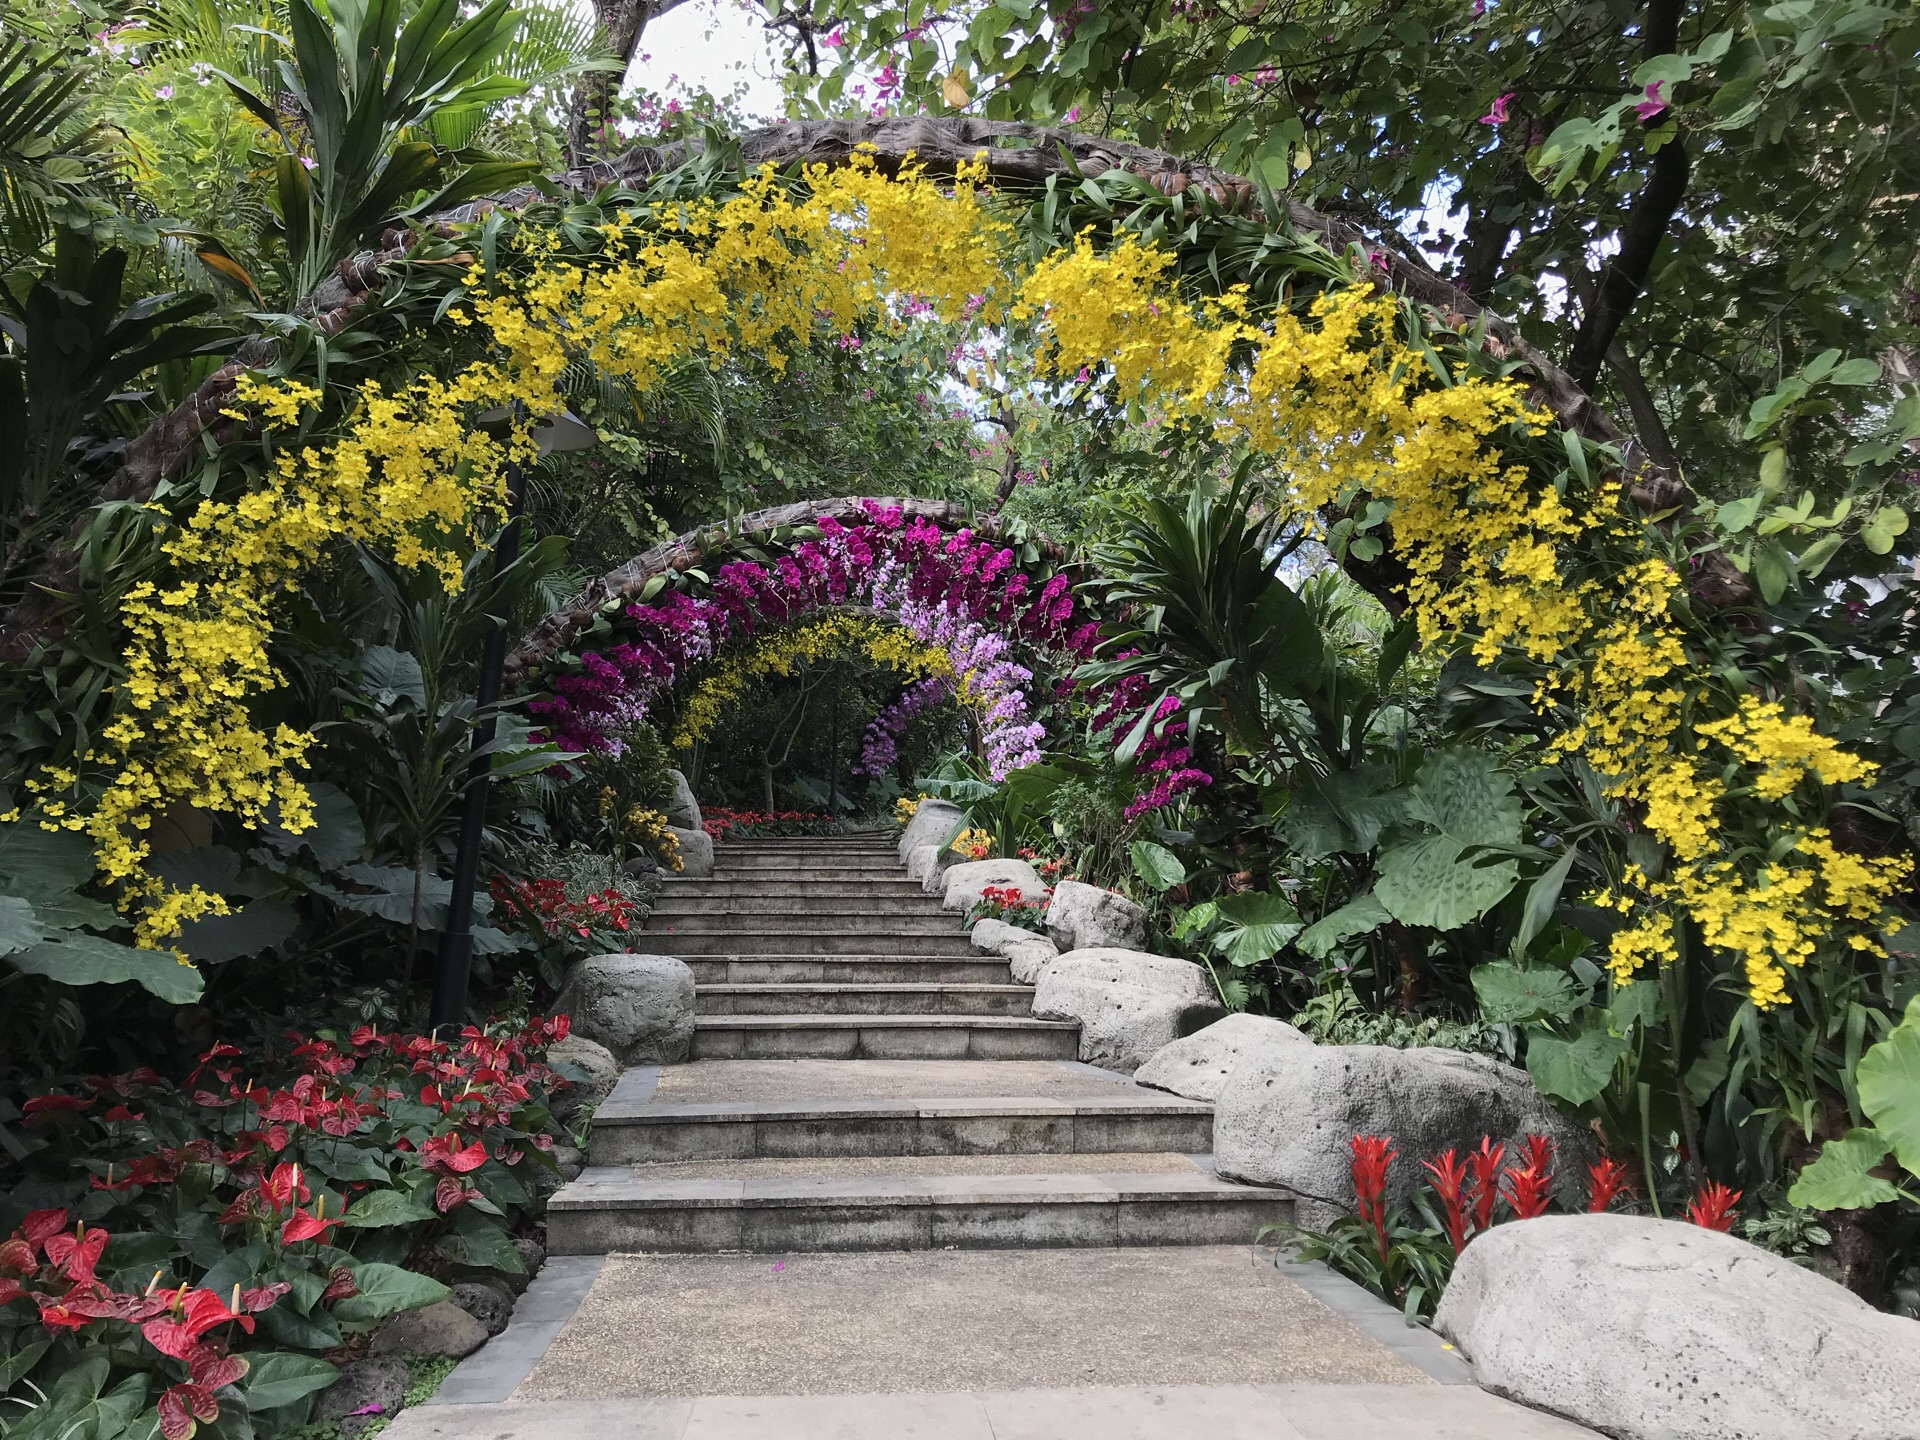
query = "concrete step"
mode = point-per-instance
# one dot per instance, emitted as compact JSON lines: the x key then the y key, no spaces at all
{"x":769,"y":1207}
{"x":676,"y":887}
{"x":1130,"y":1120}
{"x":876,"y":999}
{"x":728,"y":901}
{"x":882,"y":1037}
{"x":788,"y":941}
{"x":812,"y":871}
{"x":878,"y":846}
{"x":978,"y":969}
{"x":704,"y":919}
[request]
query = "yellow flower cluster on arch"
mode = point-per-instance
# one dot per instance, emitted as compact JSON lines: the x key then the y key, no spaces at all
{"x":1343,"y":405}
{"x":836,"y":633}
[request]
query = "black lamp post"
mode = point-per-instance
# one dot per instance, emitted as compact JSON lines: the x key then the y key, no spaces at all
{"x":455,"y":961}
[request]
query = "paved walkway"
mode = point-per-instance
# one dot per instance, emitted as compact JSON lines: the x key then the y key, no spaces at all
{"x":883,"y":1204}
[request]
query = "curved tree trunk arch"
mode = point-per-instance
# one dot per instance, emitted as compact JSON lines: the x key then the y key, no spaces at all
{"x":625,"y":583}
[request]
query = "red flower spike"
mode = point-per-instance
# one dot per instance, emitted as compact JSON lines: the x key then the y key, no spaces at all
{"x":1712,"y":1208}
{"x":1485,"y":1165}
{"x":1371,"y":1156}
{"x":1528,"y":1191}
{"x":1449,"y":1175}
{"x":1608,"y":1178}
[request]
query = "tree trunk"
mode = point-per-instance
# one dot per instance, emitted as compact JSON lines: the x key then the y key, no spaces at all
{"x":589,"y":126}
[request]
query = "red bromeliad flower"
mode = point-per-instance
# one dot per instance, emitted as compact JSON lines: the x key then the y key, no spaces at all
{"x":1712,"y":1208}
{"x":1371,"y":1156}
{"x":1485,"y":1165}
{"x":1609,"y":1178}
{"x":1528,"y":1188}
{"x":1449,"y":1182}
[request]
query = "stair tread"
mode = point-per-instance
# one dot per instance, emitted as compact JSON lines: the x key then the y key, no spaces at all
{"x":857,"y":987}
{"x":878,"y":1022}
{"x":1122,"y":1102}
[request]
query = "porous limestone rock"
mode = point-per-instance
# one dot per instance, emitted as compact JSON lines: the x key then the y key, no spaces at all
{"x":442,"y":1328}
{"x":990,"y":935}
{"x":683,"y":811}
{"x":1198,"y":1066}
{"x":590,"y":1069}
{"x":1288,"y":1112}
{"x":1028,"y":957}
{"x":639,"y":1006}
{"x":1660,"y":1330}
{"x":1129,"y":1003}
{"x":929,"y":865}
{"x":1085,"y":917}
{"x":696,"y":852}
{"x":964,"y":883}
{"x":932,"y":824}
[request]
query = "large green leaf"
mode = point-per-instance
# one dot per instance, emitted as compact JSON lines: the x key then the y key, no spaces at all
{"x":1427,"y":882}
{"x":278,"y":1378}
{"x":383,"y":1289}
{"x":38,"y":860}
{"x":476,"y":1240}
{"x":1889,"y":1084}
{"x":1463,"y":793}
{"x":89,"y":960}
{"x":1356,"y":917}
{"x":20,"y":929}
{"x":1156,"y":864}
{"x":1576,"y":1070}
{"x":385,"y":1207}
{"x":258,"y":925}
{"x":1838,"y":1179}
{"x":1511,"y":996}
{"x":1261,"y":922}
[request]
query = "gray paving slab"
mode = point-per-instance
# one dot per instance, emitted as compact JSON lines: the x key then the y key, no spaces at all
{"x":1185,"y":1412}
{"x":940,"y":1321}
{"x":725,"y":1081}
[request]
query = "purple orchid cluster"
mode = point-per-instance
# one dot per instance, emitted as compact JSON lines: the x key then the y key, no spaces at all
{"x":880,"y":741}
{"x":1164,"y":754}
{"x":954,"y":592}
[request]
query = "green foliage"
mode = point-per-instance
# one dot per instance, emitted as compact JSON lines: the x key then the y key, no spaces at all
{"x":1852,"y":1171}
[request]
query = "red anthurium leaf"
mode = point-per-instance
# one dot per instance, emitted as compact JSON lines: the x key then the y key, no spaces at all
{"x":40,"y":1224}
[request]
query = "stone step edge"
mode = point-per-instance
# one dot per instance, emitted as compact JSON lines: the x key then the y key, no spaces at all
{"x":923,"y":1108}
{"x":858,"y":987}
{"x":879,"y":1022}
{"x":616,"y":1187}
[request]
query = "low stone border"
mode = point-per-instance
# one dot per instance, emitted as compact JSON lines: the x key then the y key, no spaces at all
{"x":495,"y":1370}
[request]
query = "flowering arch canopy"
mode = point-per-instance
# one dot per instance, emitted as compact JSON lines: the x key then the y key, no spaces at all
{"x":940,"y":602}
{"x":1513,"y":535}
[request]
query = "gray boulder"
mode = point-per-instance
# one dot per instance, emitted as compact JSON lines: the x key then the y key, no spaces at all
{"x":932,"y":824}
{"x":1129,"y":1004}
{"x":683,"y":811}
{"x":488,"y":1302}
{"x":362,"y":1386}
{"x":599,"y":1066}
{"x":1028,"y":957}
{"x":1287,"y":1112}
{"x":1660,"y":1330}
{"x":991,"y":935}
{"x":1198,"y":1066}
{"x":1085,"y":917}
{"x":639,"y":1006}
{"x":929,"y":865}
{"x":532,"y":1254}
{"x":696,"y":852}
{"x":569,"y":1161}
{"x":439,"y":1329}
{"x":964,"y":883}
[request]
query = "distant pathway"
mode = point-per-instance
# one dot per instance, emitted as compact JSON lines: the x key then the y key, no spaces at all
{"x":884,"y":1202}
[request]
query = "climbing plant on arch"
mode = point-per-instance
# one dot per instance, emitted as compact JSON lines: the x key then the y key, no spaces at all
{"x":1510,"y":533}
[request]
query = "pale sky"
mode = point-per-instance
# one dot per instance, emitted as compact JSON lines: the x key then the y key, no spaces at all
{"x":716,"y":44}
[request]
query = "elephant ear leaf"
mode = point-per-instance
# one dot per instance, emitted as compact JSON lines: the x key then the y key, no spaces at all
{"x":1430,"y":882}
{"x":1574,"y":1070}
{"x":90,"y":960}
{"x":1512,"y":996}
{"x":1461,"y":792}
{"x":1156,"y":865}
{"x":1889,"y":1082}
{"x":1259,"y":922}
{"x":1841,"y":1177}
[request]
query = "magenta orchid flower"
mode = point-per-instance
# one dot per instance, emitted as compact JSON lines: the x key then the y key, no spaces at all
{"x":1653,"y":105}
{"x":1498,"y":114}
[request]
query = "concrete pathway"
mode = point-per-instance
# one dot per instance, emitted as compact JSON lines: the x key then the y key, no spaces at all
{"x":884,"y":1203}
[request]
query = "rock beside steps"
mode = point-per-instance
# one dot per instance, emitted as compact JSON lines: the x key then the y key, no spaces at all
{"x":864,"y":1079}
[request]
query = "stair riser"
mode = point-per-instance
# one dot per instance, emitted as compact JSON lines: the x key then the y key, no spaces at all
{"x":914,"y":1226}
{"x":829,"y":970}
{"x":767,"y":942}
{"x":775,"y":849}
{"x":706,"y":922}
{"x":889,"y":890}
{"x":917,"y":906}
{"x":854,"y":1002}
{"x":855,"y":1042}
{"x":840,"y":1137}
{"x":820,"y":877}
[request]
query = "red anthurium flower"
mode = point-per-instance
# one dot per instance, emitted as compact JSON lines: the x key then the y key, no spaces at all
{"x":10,"y":1291}
{"x":121,"y":1112}
{"x":211,"y":1368}
{"x":39,"y":1224}
{"x":59,"y":1317}
{"x":302,"y":1226}
{"x":451,"y":1192}
{"x":16,"y":1257}
{"x":341,"y":1285}
{"x":77,"y":1253}
{"x":281,"y":1188}
{"x":263,"y":1297}
{"x":444,"y":1156}
{"x":183,"y":1405}
{"x":199,"y":1312}
{"x":41,"y":1109}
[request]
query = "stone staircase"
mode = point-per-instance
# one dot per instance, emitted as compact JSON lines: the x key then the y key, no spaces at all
{"x":863,"y":1079}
